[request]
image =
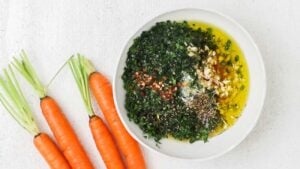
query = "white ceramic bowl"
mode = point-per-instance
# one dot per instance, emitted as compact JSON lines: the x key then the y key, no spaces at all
{"x":226,"y":141}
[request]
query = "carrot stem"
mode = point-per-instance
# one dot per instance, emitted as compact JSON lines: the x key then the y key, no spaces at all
{"x":56,"y":74}
{"x":15,"y":103}
{"x":24,"y":66}
{"x":79,"y":70}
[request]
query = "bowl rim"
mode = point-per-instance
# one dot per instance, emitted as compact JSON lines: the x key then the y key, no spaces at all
{"x":264,"y":81}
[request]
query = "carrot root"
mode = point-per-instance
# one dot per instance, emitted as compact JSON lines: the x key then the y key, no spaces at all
{"x":50,"y":152}
{"x":102,"y":90}
{"x":105,"y":144}
{"x":65,"y":135}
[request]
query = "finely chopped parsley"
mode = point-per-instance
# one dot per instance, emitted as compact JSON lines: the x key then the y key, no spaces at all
{"x":184,"y":80}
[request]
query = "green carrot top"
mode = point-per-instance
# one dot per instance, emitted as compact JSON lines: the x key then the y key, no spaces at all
{"x":81,"y":69}
{"x":26,"y":69}
{"x":14,"y":101}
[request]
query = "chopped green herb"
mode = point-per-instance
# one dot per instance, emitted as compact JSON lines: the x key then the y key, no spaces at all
{"x":227,"y":45}
{"x":236,"y":58}
{"x":242,"y":87}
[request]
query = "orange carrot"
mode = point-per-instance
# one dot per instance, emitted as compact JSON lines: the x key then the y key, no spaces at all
{"x":50,"y":152}
{"x":64,"y":134}
{"x":59,"y":125}
{"x":102,"y":137}
{"x":102,"y":90}
{"x":16,"y":104}
{"x":105,"y":144}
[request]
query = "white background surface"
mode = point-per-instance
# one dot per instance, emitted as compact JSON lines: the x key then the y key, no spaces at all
{"x":50,"y":31}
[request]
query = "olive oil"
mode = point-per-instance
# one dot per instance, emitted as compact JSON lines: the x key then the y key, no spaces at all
{"x":231,"y":107}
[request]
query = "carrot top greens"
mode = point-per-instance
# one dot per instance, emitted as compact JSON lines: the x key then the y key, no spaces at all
{"x":24,"y":66}
{"x":81,"y":69}
{"x":15,"y":103}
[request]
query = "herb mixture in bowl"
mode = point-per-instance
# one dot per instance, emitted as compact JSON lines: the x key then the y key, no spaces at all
{"x":185,"y":80}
